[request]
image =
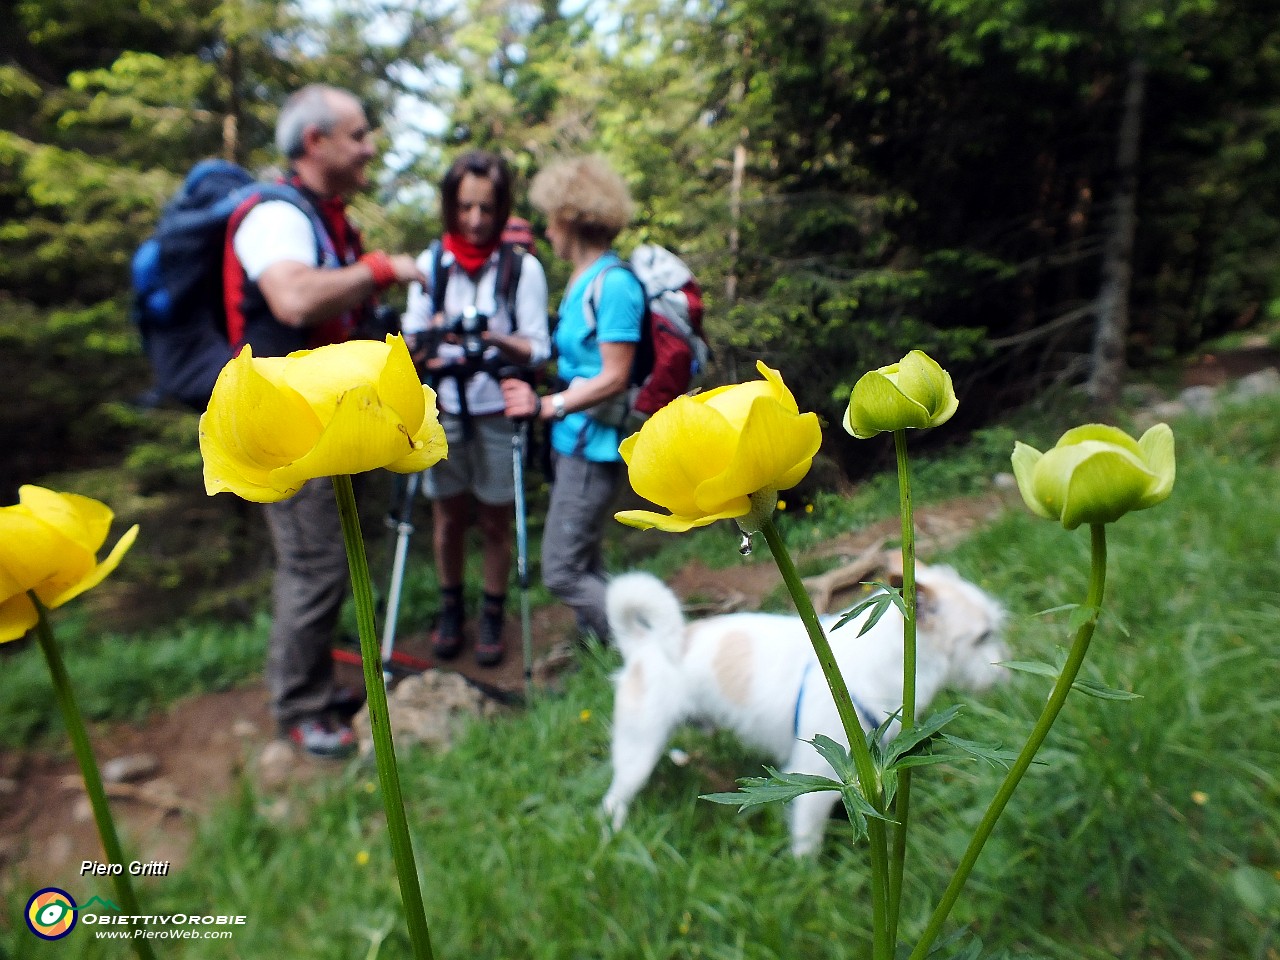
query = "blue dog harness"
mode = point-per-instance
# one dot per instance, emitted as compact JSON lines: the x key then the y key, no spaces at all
{"x":864,"y":715}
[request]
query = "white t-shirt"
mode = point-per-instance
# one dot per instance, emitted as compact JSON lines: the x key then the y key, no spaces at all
{"x":273,"y":231}
{"x":484,"y":396}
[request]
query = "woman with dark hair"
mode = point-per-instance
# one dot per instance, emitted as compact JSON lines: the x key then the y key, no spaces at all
{"x":587,"y":205}
{"x":478,"y":327}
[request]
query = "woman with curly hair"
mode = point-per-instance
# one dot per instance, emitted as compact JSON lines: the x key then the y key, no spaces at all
{"x":587,"y":205}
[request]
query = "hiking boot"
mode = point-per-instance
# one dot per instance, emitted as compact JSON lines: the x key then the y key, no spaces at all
{"x":446,"y":638}
{"x":489,"y":646}
{"x":346,"y":702}
{"x":329,"y":741}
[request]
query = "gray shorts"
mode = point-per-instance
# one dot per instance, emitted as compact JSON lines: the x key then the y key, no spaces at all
{"x":480,"y":465}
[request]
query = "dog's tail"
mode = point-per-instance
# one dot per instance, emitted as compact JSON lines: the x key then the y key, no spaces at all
{"x":643,"y":611}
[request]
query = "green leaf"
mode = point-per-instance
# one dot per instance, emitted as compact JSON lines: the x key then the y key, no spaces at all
{"x":987,"y":753}
{"x":1092,"y":689}
{"x":877,"y":603}
{"x":1058,"y":609}
{"x":1081,"y":615}
{"x":836,"y":754}
{"x":910,"y":741}
{"x":1031,"y":666}
{"x":776,"y":788}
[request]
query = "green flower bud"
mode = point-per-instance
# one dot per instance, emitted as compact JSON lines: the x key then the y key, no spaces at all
{"x":1096,"y":474}
{"x":913,"y":393}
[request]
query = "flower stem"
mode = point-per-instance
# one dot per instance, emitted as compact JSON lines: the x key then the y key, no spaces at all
{"x":380,"y":721}
{"x":902,"y":802}
{"x":858,"y":749}
{"x":1075,"y":658}
{"x":88,"y":769}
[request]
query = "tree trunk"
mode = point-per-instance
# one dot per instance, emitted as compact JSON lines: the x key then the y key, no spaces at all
{"x":1111,"y":333}
{"x":231,"y":120}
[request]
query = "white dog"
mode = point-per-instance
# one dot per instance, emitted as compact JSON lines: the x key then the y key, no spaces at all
{"x":756,"y":675}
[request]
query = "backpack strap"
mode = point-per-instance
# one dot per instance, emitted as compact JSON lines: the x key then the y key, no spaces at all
{"x":510,"y":263}
{"x":439,"y":277}
{"x":232,"y":283}
{"x":591,"y":298}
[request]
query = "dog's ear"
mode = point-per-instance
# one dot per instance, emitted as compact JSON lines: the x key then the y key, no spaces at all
{"x":926,"y":605}
{"x":891,"y":563}
{"x":893,"y":569}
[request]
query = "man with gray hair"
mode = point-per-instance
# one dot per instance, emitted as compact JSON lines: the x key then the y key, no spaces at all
{"x":298,"y":278}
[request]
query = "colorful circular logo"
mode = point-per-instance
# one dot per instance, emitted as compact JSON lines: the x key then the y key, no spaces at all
{"x":51,"y":913}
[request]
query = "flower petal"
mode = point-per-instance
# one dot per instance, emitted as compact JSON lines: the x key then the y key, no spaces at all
{"x":1100,"y":433}
{"x":363,"y":434}
{"x":774,"y":444}
{"x":82,"y":520}
{"x":923,"y":379}
{"x":17,"y":616}
{"x":1105,"y":484}
{"x":33,"y":553}
{"x":1158,"y":451}
{"x":1024,"y":460}
{"x":400,"y":386}
{"x":253,"y":425}
{"x":878,"y":406}
{"x":670,"y":523}
{"x":676,"y":449}
{"x":98,"y":573}
{"x":431,"y":445}
{"x":324,"y":375}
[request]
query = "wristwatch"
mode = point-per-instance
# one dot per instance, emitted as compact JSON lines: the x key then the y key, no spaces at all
{"x":557,"y":406}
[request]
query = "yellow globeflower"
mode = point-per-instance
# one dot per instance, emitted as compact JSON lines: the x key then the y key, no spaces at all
{"x":913,"y":393}
{"x":274,"y":423}
{"x":706,"y":457}
{"x":1096,"y":474}
{"x":49,"y":543}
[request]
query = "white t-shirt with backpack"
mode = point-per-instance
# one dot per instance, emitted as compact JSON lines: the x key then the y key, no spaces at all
{"x":528,"y":303}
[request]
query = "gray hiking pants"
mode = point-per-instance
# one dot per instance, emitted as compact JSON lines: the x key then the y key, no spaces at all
{"x":572,"y":561}
{"x":311,"y":582}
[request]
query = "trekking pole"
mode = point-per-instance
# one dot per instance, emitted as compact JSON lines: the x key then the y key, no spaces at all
{"x":522,"y":553}
{"x":404,"y":530}
{"x":518,"y":439}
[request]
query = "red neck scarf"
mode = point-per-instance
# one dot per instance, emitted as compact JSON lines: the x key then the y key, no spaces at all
{"x":471,"y":257}
{"x":347,"y":242}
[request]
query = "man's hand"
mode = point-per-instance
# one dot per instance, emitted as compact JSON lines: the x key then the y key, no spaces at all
{"x":406,"y":268}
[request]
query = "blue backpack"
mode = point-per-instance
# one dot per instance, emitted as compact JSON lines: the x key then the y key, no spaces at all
{"x":177,"y":279}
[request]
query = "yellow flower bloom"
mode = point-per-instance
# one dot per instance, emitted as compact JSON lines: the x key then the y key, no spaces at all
{"x":1096,"y":474}
{"x":704,"y":457}
{"x":276,"y":422}
{"x":49,"y":543}
{"x":362,"y":858}
{"x":913,"y":393}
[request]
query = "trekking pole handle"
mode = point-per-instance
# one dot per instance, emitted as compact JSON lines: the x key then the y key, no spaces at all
{"x":513,"y":372}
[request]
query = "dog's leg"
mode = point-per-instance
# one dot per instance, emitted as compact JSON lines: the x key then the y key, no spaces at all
{"x":809,"y":813}
{"x":643,"y":721}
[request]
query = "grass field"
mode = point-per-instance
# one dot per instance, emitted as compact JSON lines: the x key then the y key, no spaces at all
{"x":1151,"y":831}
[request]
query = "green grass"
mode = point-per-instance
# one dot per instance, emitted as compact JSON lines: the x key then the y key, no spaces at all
{"x":1152,"y":832}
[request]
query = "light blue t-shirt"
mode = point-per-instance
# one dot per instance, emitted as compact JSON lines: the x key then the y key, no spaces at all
{"x":619,"y":309}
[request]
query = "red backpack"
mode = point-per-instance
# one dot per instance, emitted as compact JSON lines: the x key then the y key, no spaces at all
{"x":672,"y":349}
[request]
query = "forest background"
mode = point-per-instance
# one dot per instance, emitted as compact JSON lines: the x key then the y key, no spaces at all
{"x":1036,"y":194}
